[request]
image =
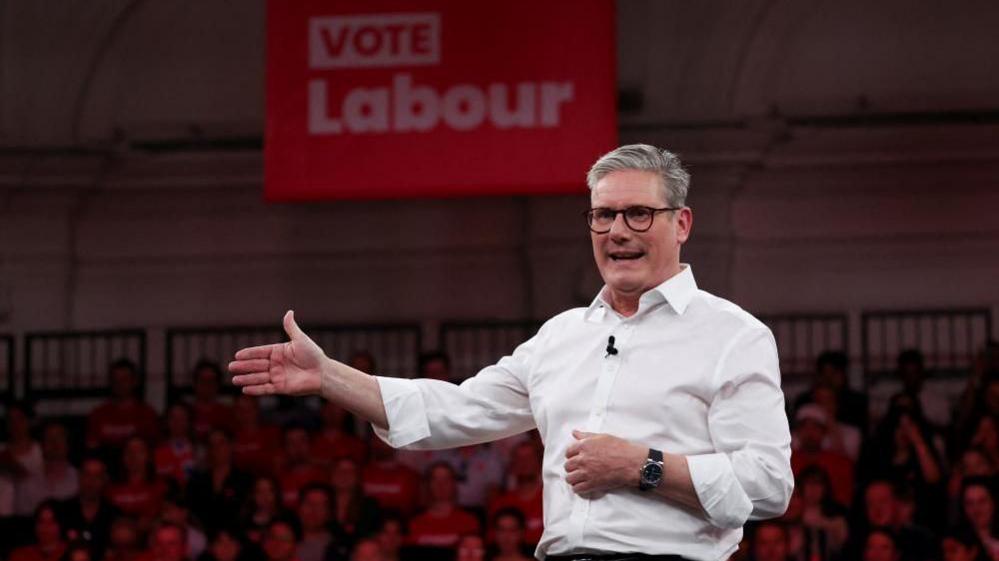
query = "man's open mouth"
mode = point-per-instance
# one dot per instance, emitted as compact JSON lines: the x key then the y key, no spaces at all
{"x":626,"y":255}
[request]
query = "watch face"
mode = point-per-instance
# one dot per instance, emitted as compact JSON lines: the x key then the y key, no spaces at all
{"x":652,"y":473}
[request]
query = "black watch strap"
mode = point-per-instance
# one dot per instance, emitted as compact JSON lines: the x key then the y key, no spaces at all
{"x":655,"y":455}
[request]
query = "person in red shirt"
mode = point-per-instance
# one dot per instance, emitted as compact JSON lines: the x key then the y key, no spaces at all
{"x":167,"y":542}
{"x":295,"y":468}
{"x":49,"y":545}
{"x":138,"y":493}
{"x":174,"y":457}
{"x":209,"y":412}
{"x":443,"y":523}
{"x":525,"y":497}
{"x":335,"y":439}
{"x":125,"y":414}
{"x":394,"y":485}
{"x":810,"y":430}
{"x":255,"y":445}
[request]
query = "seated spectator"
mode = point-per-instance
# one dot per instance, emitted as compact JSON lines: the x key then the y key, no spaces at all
{"x":881,"y":509}
{"x":961,"y":543}
{"x":435,"y":365}
{"x":124,"y":415}
{"x":58,"y":478}
{"x":167,"y":542}
{"x":391,"y":536}
{"x":281,"y":539}
{"x":824,"y":520}
{"x":525,"y":469}
{"x":209,"y":412}
{"x":981,"y":394}
{"x":255,"y":444}
{"x":367,"y":550}
{"x":443,"y":523}
{"x":317,"y":542}
{"x":902,"y":450}
{"x":356,"y":514}
{"x":124,"y":543}
{"x":138,"y":492}
{"x":841,"y":437}
{"x":79,"y":551}
{"x":985,"y":437}
{"x":770,"y":542}
{"x":881,"y":545}
{"x":174,"y":457}
{"x":831,"y":370}
{"x":49,"y":544}
{"x":508,"y":536}
{"x":974,"y":462}
{"x":395,"y":486}
{"x":226,"y":544}
{"x":263,"y":506}
{"x":471,"y":547}
{"x":978,"y":512}
{"x":335,"y":439}
{"x":20,"y":454}
{"x":479,"y":470}
{"x":88,"y":516}
{"x":216,"y":493}
{"x":934,"y":406}
{"x":295,"y":468}
{"x":810,"y":430}
{"x":175,"y":512}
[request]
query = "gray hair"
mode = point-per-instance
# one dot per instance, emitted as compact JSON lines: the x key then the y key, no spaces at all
{"x":643,"y":157}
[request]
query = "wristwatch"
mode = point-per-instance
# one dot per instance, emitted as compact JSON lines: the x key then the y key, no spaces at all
{"x":652,"y":472}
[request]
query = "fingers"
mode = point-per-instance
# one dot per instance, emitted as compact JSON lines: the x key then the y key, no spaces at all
{"x":575,"y":478}
{"x":290,"y":327}
{"x":580,"y":435}
{"x":249,"y":366}
{"x":262,"y":389}
{"x":262,"y":351}
{"x":251,"y":379}
{"x":574,"y":449}
{"x":573,"y":464}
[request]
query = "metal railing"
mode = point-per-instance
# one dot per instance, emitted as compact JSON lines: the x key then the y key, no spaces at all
{"x":801,"y":338}
{"x":69,"y":364}
{"x":394,"y":347}
{"x":948,"y":339}
{"x":472,"y":345}
{"x":7,"y":380}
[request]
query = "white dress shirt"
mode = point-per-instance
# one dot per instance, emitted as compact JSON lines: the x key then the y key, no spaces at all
{"x":695,"y":375}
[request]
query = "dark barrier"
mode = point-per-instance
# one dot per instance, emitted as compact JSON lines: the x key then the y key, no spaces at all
{"x":70,"y":364}
{"x":801,"y":338}
{"x":394,"y":347}
{"x":472,"y":345}
{"x":7,"y":386}
{"x":948,"y":339}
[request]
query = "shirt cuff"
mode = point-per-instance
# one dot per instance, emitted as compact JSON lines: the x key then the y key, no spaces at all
{"x":722,"y":497}
{"x":405,"y":411}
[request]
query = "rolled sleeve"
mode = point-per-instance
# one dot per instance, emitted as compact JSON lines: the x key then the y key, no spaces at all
{"x":405,"y":410}
{"x":749,"y":477}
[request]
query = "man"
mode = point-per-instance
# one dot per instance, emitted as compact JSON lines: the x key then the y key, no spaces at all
{"x":168,"y":542}
{"x":58,"y":478}
{"x":124,"y":415}
{"x":526,"y":494}
{"x":444,"y":522}
{"x":811,"y":428}
{"x":89,"y":515}
{"x":216,"y":493}
{"x":659,"y":404}
{"x":770,"y":542}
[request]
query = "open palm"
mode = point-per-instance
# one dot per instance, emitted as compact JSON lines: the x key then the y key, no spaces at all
{"x":292,"y":368}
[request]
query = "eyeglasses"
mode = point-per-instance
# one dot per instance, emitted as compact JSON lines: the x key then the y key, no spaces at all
{"x":638,"y":218}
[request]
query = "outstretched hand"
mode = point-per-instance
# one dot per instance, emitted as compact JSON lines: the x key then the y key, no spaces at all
{"x":292,"y":368}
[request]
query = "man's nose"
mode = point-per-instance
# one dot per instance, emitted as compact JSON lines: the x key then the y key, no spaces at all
{"x":619,"y":228}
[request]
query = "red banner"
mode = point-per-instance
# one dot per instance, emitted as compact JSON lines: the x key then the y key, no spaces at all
{"x":377,"y":99}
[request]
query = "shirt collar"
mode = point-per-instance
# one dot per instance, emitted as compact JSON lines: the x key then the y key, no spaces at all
{"x":677,"y":291}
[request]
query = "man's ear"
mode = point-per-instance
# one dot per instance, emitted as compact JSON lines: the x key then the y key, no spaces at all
{"x":684,"y":222}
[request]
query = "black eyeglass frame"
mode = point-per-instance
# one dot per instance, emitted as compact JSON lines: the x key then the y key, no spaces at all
{"x":624,"y":211}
